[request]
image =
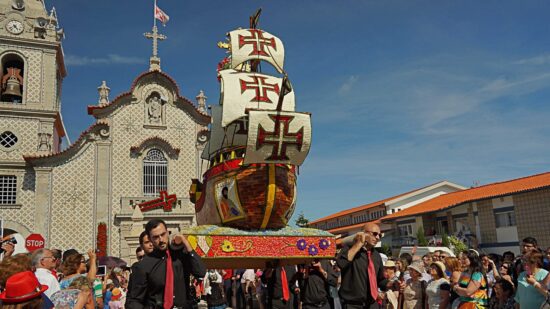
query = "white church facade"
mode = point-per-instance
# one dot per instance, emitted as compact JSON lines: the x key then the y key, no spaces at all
{"x":143,"y":142}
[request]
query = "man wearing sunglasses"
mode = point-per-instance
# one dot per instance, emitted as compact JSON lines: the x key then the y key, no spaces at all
{"x":362,"y":270}
{"x":45,"y":262}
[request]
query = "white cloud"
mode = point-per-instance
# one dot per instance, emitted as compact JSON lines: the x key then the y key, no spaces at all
{"x":73,"y":60}
{"x":538,"y":60}
{"x":346,"y":87}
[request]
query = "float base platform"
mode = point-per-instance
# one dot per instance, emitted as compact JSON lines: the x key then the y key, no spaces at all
{"x":223,"y":247}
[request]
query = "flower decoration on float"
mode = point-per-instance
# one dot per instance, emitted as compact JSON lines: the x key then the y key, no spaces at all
{"x":301,"y":244}
{"x":324,"y":243}
{"x":312,"y":250}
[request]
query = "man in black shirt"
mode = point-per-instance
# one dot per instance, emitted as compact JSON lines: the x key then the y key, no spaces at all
{"x":272,"y":277}
{"x":149,"y":278}
{"x":314,"y":284}
{"x":360,"y":285}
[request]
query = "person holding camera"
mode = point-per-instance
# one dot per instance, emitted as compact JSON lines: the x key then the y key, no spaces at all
{"x":315,"y":282}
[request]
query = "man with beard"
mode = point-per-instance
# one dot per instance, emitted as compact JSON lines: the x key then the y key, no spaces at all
{"x":161,"y":279}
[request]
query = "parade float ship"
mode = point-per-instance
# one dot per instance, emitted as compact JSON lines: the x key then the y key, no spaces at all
{"x":255,"y":144}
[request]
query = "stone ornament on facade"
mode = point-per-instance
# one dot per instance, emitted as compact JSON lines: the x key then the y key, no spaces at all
{"x":103,"y":93}
{"x":155,"y":113}
{"x":44,"y":142}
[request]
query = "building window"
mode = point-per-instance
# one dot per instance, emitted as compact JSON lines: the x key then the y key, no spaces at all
{"x":8,"y":190}
{"x":504,"y":219}
{"x":8,"y":139}
{"x":405,"y":230}
{"x":155,"y":173}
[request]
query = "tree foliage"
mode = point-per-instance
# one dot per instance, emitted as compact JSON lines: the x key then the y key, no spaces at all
{"x":301,"y":221}
{"x":422,"y":241}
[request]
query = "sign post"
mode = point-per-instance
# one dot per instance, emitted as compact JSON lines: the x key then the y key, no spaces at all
{"x":34,"y":242}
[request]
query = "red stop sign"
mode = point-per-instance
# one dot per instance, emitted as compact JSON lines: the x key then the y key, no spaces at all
{"x":34,"y":242}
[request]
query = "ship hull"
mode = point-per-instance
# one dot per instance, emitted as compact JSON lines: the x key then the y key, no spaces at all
{"x":250,"y":197}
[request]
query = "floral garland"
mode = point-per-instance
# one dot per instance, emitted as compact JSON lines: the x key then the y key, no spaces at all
{"x":312,"y":248}
{"x":101,"y":243}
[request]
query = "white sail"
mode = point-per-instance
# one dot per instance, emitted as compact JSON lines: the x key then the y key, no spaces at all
{"x":255,"y":44}
{"x":249,"y":90}
{"x":278,"y":137}
{"x":232,"y":135}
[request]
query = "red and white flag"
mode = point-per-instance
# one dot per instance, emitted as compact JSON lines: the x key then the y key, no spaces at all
{"x":160,"y":15}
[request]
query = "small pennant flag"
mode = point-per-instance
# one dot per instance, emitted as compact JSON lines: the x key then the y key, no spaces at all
{"x":160,"y":15}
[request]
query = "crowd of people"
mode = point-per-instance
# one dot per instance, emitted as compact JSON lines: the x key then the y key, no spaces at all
{"x":169,"y":274}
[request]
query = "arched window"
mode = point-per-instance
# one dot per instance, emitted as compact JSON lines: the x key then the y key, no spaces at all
{"x":12,"y":80}
{"x":155,"y":173}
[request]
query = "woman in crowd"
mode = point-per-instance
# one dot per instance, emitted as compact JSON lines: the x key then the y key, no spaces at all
{"x":78,"y":295}
{"x":532,"y":283}
{"x":23,"y":291}
{"x":438,"y":288}
{"x":75,"y":266}
{"x":504,"y":295}
{"x":415,"y":288}
{"x":213,"y":290}
{"x":490,"y":270}
{"x":401,"y":265}
{"x":12,"y":265}
{"x":454,"y":270}
{"x":505,"y":268}
{"x":472,"y":285}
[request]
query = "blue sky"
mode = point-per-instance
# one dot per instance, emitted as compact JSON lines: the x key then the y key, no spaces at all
{"x":402,"y":93}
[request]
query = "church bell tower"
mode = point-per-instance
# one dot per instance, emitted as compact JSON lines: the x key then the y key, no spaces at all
{"x":31,"y":74}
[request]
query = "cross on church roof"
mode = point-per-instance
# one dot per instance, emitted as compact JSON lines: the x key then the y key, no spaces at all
{"x":154,"y":61}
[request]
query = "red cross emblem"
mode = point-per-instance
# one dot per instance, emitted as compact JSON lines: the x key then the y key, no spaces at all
{"x":261,"y":86}
{"x":165,"y":201}
{"x":258,"y":42}
{"x":280,"y":138}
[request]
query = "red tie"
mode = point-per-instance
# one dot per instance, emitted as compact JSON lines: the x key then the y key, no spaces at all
{"x":284,"y":284}
{"x":372,"y":277}
{"x":169,"y":284}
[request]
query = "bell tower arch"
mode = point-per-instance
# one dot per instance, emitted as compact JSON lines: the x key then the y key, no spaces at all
{"x":31,"y":75}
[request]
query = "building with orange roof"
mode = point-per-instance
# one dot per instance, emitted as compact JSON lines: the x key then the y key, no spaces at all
{"x":350,"y":221}
{"x":492,"y":217}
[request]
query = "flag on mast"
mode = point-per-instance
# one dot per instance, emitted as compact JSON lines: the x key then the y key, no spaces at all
{"x":160,"y":15}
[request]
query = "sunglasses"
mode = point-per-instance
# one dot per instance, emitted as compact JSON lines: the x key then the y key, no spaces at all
{"x":375,"y":234}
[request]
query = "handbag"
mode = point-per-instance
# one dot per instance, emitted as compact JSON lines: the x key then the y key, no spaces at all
{"x":546,"y":303}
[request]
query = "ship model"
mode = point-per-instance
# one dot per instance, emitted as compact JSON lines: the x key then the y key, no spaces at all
{"x":256,"y":140}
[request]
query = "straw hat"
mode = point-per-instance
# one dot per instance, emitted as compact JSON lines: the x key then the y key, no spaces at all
{"x":416,"y":266}
{"x":22,"y":287}
{"x":439,"y":265}
{"x":389,"y":264}
{"x":116,"y":294}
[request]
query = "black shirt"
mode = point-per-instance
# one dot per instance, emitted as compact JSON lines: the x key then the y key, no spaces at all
{"x":149,"y":276}
{"x":274,"y":286}
{"x":314,"y":289}
{"x":355,"y":282}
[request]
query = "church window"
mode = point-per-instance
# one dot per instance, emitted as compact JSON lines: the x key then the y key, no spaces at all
{"x":8,"y":139}
{"x":8,"y":189}
{"x":12,"y":82}
{"x":155,"y":173}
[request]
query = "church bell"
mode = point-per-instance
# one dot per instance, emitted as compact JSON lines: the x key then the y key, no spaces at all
{"x":11,"y":85}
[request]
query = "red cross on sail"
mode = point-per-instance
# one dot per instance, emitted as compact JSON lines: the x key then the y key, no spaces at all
{"x":242,"y":91}
{"x":261,"y":87}
{"x":255,"y":44}
{"x":278,"y":137}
